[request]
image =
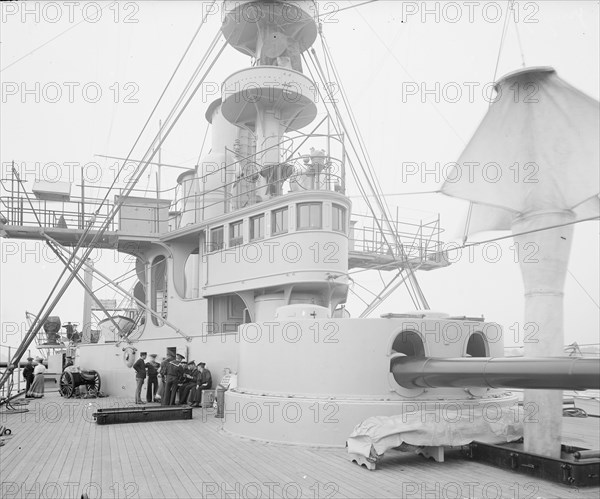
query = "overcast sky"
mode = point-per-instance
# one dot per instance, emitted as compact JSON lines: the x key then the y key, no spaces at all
{"x":78,"y":81}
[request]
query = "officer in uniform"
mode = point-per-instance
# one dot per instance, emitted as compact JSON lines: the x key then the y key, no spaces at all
{"x":173,"y":372}
{"x":189,"y":381}
{"x":140,"y":375}
{"x":204,"y":382}
{"x":162,"y":372}
{"x":152,"y":387}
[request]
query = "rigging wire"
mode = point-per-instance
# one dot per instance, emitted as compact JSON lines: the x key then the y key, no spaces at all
{"x":372,"y":181}
{"x":77,"y":266}
{"x":117,"y":206}
{"x":584,"y":290}
{"x":133,"y":181}
{"x":51,"y":39}
{"x":502,"y":38}
{"x":512,"y":7}
{"x":190,"y":82}
{"x":103,"y":277}
{"x":499,"y":238}
{"x":429,"y":101}
{"x":52,"y":244}
{"x":352,"y":167}
{"x":509,"y":7}
{"x":203,"y":142}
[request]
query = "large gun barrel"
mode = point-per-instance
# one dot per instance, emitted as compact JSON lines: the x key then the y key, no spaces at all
{"x":542,"y":373}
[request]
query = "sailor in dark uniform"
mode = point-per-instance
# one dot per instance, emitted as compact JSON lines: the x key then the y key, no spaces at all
{"x":152,"y":387}
{"x":140,"y":375}
{"x":162,"y":372}
{"x":28,"y":374}
{"x":189,"y":381}
{"x":172,"y":373}
{"x":204,"y":382}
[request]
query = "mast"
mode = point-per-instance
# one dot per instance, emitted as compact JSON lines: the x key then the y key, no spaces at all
{"x":274,"y":96}
{"x":88,"y":277}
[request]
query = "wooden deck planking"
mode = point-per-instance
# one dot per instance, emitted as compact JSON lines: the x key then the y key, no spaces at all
{"x":203,"y":456}
{"x":191,"y":458}
{"x":231,"y":454}
{"x":77,"y":440}
{"x":124,"y":441}
{"x":18,"y":455}
{"x":176,"y":478}
{"x":160,"y":479}
{"x":83,"y":458}
{"x":134,"y":450}
{"x":56,"y":452}
{"x":573,"y":435}
{"x":114,"y":457}
{"x":223,"y":455}
{"x":283,"y":467}
{"x":47,"y":419}
{"x":275,"y":469}
{"x":72,"y":443}
{"x":103,"y":460}
{"x":317,"y":470}
{"x":16,"y":458}
{"x":169,"y":435}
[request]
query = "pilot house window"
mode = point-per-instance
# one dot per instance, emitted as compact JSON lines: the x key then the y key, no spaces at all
{"x":338,"y":221}
{"x":257,"y":227}
{"x":236,"y":235}
{"x":217,"y":241}
{"x":309,"y":216}
{"x":279,"y":221}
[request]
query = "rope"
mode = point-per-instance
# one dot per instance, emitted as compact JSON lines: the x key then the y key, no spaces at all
{"x":49,"y":41}
{"x":370,"y":178}
{"x":512,"y":7}
{"x":465,"y":245}
{"x":584,"y":290}
{"x":504,"y":30}
{"x":152,"y":151}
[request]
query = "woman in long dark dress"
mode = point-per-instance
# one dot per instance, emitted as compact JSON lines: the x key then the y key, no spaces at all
{"x":37,"y":387}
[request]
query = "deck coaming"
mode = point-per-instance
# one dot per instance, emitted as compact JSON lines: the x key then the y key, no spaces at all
{"x":196,"y":458}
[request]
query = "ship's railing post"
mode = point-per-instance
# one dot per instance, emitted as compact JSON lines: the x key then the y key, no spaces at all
{"x":422,"y":252}
{"x":19,"y":371}
{"x":12,"y":193}
{"x":8,"y":361}
{"x":3,"y":388}
{"x":343,"y":169}
{"x":82,"y":215}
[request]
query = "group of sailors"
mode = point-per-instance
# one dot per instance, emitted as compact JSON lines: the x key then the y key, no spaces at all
{"x":172,"y":382}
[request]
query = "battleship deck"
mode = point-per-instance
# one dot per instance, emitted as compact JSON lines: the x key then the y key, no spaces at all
{"x":57,"y":450}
